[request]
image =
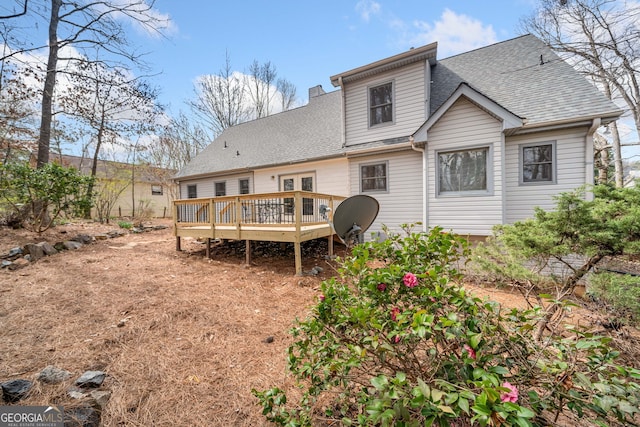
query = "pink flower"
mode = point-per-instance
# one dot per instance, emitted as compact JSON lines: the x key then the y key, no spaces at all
{"x":321,"y":297}
{"x":471,"y":352}
{"x":512,"y":395}
{"x":394,"y":313}
{"x":382,"y":287}
{"x":396,"y":339}
{"x":410,"y":280}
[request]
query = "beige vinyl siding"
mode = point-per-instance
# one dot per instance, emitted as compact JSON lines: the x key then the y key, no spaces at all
{"x":465,"y":126}
{"x":331,"y":176}
{"x":408,"y":103}
{"x":402,"y":202}
{"x":570,"y":170}
{"x":206,"y":186}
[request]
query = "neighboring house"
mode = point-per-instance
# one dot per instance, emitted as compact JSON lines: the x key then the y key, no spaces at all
{"x":465,"y":143}
{"x":146,"y":189}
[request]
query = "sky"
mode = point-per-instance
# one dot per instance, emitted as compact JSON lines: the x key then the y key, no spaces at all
{"x":309,"y":41}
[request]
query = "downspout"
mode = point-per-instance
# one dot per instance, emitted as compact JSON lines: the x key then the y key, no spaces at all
{"x":344,"y":109}
{"x":425,"y":193}
{"x":588,"y":157}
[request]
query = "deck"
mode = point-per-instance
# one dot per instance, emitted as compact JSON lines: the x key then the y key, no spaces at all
{"x":288,"y":216}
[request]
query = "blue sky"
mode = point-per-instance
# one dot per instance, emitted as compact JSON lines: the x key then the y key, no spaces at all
{"x":308,"y":41}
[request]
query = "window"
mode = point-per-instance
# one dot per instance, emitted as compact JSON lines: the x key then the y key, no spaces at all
{"x":381,"y":104}
{"x":221,"y":189}
{"x":373,"y":177}
{"x":192,"y":191}
{"x":538,"y":163}
{"x":243,"y":185}
{"x":156,"y":190}
{"x":462,"y":171}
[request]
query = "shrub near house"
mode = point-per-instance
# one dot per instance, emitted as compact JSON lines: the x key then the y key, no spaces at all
{"x":395,"y":341}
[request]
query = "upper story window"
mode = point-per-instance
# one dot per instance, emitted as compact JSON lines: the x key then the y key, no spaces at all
{"x":243,"y":185}
{"x":464,"y":171}
{"x":221,"y":189}
{"x":381,"y":104}
{"x":373,"y":177}
{"x":156,"y":190}
{"x":538,"y":163}
{"x":192,"y":191}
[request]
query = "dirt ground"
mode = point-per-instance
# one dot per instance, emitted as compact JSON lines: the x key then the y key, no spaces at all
{"x":183,"y":339}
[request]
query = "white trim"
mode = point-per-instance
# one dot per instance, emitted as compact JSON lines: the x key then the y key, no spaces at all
{"x":392,"y":82}
{"x":470,"y":193}
{"x":554,"y":163}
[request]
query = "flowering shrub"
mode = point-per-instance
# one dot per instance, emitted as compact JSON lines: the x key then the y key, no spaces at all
{"x":396,"y":341}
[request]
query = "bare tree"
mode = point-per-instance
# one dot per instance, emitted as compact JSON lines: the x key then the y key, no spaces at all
{"x":94,"y":25}
{"x":219,"y":99}
{"x":111,"y":104}
{"x":260,"y":83}
{"x":601,"y":39}
{"x":287,"y":91}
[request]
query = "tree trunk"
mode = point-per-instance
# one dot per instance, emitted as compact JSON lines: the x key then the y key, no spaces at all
{"x":49,"y":86}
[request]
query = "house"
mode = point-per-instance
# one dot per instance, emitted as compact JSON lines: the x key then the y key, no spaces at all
{"x":464,"y":143}
{"x":131,"y":190}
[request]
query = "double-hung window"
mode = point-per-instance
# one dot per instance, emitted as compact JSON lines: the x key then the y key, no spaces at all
{"x":537,"y":163}
{"x":381,"y":104}
{"x":221,"y":189}
{"x":192,"y":191}
{"x":463,"y":171}
{"x":373,"y":177}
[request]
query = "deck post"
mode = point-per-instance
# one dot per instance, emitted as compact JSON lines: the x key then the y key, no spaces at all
{"x":298,"y":253}
{"x":330,"y":245}
{"x":178,"y":243}
{"x":248,"y":252}
{"x":208,"y":248}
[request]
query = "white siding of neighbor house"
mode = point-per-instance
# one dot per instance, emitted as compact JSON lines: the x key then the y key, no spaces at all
{"x":464,"y":126}
{"x":206,"y":186}
{"x":408,"y":104}
{"x":570,"y":168}
{"x":402,"y":202}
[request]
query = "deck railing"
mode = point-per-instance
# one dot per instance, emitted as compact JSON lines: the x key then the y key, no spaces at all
{"x":286,"y":208}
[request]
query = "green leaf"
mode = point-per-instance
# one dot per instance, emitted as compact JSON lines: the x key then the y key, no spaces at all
{"x":380,"y":382}
{"x":474,"y":341}
{"x":463,"y":404}
{"x":436,"y":395}
{"x":525,"y":412}
{"x":446,"y":409}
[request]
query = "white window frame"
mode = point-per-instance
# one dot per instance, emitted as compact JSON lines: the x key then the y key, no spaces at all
{"x":157,"y":190}
{"x":386,"y":169}
{"x":215,"y":188}
{"x":554,"y":163}
{"x":195,"y":190}
{"x":488,"y":191}
{"x":393,"y":104}
{"x":240,"y":185}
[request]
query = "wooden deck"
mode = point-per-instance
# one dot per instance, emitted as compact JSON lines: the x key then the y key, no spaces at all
{"x":288,"y":216}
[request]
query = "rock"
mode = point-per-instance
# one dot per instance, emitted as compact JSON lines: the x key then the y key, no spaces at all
{"x":35,"y":251}
{"x":71,"y":244}
{"x":5,"y":263}
{"x":101,"y":397}
{"x":53,"y":375}
{"x":74,"y":393}
{"x":82,"y":417}
{"x":91,"y":379}
{"x":115,"y":233}
{"x":268,"y":340}
{"x":15,"y":390}
{"x":18,"y":263}
{"x":12,"y":254}
{"x":85,"y":239}
{"x":48,"y":248}
{"x":101,"y":237}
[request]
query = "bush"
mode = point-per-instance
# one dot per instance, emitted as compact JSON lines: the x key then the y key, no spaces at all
{"x":40,"y":196}
{"x":125,"y":224}
{"x":619,"y":292}
{"x":396,"y":341}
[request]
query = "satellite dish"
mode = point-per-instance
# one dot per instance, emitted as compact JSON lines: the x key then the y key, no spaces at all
{"x":353,"y":217}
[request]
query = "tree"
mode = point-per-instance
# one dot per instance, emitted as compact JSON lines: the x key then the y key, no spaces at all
{"x":600,"y":38}
{"x":260,"y":86}
{"x":111,"y":104}
{"x":220,"y":99}
{"x":287,"y":92}
{"x":93,"y":25}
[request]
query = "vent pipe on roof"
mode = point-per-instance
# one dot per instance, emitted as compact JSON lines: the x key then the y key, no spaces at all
{"x":316,"y":91}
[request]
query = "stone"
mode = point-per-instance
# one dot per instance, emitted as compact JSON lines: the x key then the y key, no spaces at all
{"x":74,"y":393}
{"x":18,"y":263}
{"x":71,"y":244}
{"x":84,"y":416}
{"x":101,"y":237}
{"x":15,"y":390}
{"x":91,"y":379}
{"x":5,"y":263}
{"x":115,"y":233}
{"x":48,"y":248}
{"x":15,"y":252}
{"x":101,"y":397}
{"x":53,"y":375}
{"x":35,"y":251}
{"x":85,"y":239}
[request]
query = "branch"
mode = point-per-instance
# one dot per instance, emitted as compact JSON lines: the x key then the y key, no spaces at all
{"x":15,"y":15}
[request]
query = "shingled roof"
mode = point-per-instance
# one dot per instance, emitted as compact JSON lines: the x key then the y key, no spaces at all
{"x":305,"y":133}
{"x":527,"y":78}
